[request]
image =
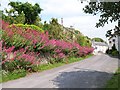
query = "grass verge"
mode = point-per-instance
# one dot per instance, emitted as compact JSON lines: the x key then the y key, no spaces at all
{"x":4,"y":77}
{"x":114,"y":81}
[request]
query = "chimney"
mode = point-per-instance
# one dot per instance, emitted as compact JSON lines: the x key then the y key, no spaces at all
{"x":61,"y":21}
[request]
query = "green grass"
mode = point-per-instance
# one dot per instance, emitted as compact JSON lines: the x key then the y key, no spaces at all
{"x":70,"y":60}
{"x":113,"y":82}
{"x":12,"y":75}
{"x":22,"y":73}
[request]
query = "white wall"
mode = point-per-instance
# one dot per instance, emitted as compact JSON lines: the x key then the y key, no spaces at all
{"x":99,"y":48}
{"x":117,"y":42}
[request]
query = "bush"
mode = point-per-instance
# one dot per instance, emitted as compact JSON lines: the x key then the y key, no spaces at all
{"x":20,"y":59}
{"x":115,"y":53}
{"x":34,"y":27}
{"x":25,"y":45}
{"x":109,"y":51}
{"x":21,"y":38}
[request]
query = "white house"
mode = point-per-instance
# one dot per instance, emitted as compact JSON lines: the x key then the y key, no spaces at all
{"x":99,"y":47}
{"x":114,"y":40}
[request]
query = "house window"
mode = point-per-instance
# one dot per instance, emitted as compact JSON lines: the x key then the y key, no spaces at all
{"x":109,"y":41}
{"x":95,"y":47}
{"x":113,"y":40}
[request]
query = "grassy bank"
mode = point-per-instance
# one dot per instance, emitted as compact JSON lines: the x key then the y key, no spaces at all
{"x":114,"y":81}
{"x":22,"y":73}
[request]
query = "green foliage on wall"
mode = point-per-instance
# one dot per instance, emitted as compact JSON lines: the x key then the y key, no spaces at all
{"x":34,"y":27}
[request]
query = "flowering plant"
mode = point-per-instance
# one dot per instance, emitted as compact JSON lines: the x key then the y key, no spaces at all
{"x":20,"y":59}
{"x":22,"y":47}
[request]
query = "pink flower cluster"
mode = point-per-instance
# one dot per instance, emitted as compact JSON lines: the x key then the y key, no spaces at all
{"x":1,"y":46}
{"x":38,"y":41}
{"x":4,"y":24}
{"x":10,"y":49}
{"x":9,"y":55}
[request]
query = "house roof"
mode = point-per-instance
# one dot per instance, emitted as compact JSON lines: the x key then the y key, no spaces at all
{"x":100,"y":43}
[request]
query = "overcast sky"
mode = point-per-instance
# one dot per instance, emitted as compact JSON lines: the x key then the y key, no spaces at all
{"x":72,"y":14}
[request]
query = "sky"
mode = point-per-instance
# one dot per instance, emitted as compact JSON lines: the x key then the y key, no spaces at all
{"x":72,"y":14}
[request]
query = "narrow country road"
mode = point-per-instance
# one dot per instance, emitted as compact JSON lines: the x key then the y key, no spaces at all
{"x":89,"y":73}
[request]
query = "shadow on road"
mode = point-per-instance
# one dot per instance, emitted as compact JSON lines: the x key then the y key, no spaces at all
{"x":117,"y":57}
{"x":82,"y":79}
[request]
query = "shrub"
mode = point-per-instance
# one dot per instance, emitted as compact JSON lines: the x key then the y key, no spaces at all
{"x":21,"y":47}
{"x":20,"y":38}
{"x":20,"y":59}
{"x":34,"y":27}
{"x":107,"y":51}
{"x":115,"y":53}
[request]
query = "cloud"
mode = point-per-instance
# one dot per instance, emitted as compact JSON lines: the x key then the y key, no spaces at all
{"x":62,"y":8}
{"x":4,"y":4}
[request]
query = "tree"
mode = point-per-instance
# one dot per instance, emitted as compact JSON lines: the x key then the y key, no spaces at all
{"x":54,"y":28}
{"x":13,"y":18}
{"x":45,"y":26}
{"x":109,"y":11}
{"x":116,"y":31}
{"x":31,"y":12}
{"x":38,"y":22}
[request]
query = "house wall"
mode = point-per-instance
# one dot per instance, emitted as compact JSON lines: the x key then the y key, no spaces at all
{"x":98,"y":48}
{"x":117,"y":42}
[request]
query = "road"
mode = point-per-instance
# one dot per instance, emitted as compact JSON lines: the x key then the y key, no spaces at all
{"x":92,"y":72}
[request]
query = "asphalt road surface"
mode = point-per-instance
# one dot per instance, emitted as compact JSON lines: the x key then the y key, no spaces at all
{"x":89,"y":73}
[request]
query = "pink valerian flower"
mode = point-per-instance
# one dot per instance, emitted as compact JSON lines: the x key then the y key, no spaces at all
{"x":57,"y":50}
{"x":44,"y":37}
{"x":4,"y":24}
{"x":1,"y":45}
{"x":10,"y":49}
{"x":55,"y":56}
{"x":76,"y":45}
{"x":8,"y":32}
{"x":61,"y":55}
{"x":8,"y":54}
{"x":20,"y":55}
{"x":11,"y":56}
{"x":30,"y":57}
{"x":22,"y":50}
{"x":34,"y":41}
{"x":62,"y":44}
{"x":51,"y":44}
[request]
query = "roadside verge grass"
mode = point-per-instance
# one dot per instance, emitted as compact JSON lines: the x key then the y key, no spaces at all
{"x":114,"y":81}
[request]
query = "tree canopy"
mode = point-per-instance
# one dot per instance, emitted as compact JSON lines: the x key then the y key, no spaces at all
{"x":31,"y":12}
{"x":116,"y":31}
{"x":109,"y":11}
